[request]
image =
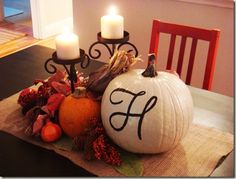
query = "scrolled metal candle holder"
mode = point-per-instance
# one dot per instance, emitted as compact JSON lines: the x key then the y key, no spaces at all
{"x":84,"y":61}
{"x":115,"y":43}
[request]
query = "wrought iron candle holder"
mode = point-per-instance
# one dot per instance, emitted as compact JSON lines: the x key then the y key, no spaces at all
{"x":115,"y":44}
{"x":84,"y":61}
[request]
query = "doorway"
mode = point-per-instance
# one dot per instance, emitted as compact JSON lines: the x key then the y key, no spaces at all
{"x":18,"y":12}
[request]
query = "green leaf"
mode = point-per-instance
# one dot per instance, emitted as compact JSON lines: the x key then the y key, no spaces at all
{"x":65,"y":143}
{"x":131,"y":165}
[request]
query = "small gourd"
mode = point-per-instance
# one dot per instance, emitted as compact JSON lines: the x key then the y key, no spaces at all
{"x":76,"y":111}
{"x":51,"y":132}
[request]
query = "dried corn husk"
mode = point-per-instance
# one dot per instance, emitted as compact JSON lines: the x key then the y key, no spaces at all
{"x":119,"y":63}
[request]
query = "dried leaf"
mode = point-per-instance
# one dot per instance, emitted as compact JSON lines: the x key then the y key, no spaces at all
{"x":131,"y":165}
{"x":33,"y":113}
{"x":58,"y":76}
{"x":65,"y":143}
{"x":53,"y":104}
{"x":62,"y":88}
{"x":39,"y":123}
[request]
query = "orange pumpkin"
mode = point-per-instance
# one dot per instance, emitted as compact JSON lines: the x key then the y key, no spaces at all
{"x":75,"y":113}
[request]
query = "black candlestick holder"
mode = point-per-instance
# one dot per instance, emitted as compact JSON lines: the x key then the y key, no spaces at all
{"x":115,"y":44}
{"x":84,"y":61}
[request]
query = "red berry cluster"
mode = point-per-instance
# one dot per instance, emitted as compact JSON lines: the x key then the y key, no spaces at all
{"x":45,"y":90}
{"x":106,"y":151}
{"x":96,"y":144}
{"x":27,"y":96}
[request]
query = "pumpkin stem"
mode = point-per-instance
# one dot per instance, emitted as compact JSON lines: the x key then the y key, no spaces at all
{"x":150,"y":71}
{"x":79,"y":92}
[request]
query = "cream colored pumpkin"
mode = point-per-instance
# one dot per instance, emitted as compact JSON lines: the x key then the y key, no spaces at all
{"x":144,"y":114}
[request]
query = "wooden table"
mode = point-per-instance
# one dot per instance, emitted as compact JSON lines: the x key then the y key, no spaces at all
{"x":211,"y":109}
{"x":215,"y":110}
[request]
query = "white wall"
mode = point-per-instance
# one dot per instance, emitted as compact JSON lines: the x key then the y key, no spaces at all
{"x":49,"y":17}
{"x":138,"y":15}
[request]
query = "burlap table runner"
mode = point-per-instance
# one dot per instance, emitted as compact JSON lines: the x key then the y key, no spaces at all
{"x":197,"y":154}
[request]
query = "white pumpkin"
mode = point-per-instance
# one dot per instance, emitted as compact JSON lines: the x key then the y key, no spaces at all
{"x":146,"y":114}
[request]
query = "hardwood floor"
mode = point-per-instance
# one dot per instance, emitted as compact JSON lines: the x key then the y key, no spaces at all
{"x":24,"y":42}
{"x":17,"y":27}
{"x":17,"y":44}
{"x":21,"y":23}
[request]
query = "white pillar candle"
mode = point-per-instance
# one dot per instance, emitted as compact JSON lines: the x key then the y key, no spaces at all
{"x":112,"y":25}
{"x":67,"y":46}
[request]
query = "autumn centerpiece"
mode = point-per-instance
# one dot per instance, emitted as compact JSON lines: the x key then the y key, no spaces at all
{"x":114,"y":108}
{"x":51,"y":109}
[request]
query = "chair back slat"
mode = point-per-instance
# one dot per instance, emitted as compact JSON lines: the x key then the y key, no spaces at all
{"x":154,"y":38}
{"x":211,"y":36}
{"x":181,"y":55}
{"x":171,"y":52}
{"x":210,"y":65}
{"x":191,"y":61}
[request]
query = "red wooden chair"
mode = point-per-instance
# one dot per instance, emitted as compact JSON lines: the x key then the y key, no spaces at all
{"x":212,"y":36}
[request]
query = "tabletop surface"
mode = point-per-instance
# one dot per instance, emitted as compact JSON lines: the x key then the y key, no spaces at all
{"x":19,"y":158}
